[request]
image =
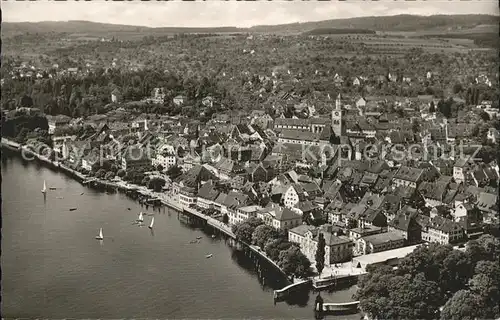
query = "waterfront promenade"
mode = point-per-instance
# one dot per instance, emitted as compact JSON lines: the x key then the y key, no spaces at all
{"x":169,"y":201}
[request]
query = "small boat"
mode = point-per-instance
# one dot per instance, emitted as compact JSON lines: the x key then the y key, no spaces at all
{"x":213,"y":236}
{"x":128,"y":209}
{"x":72,"y":209}
{"x":141,"y":218}
{"x":152,"y":221}
{"x":100,"y":236}
{"x":82,"y":193}
{"x":208,"y":256}
{"x":60,"y":198}
{"x":52,"y":188}
{"x":44,"y":189}
{"x":199,"y":238}
{"x":193,"y":241}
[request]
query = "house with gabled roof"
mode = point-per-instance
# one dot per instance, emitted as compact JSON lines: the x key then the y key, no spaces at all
{"x":243,"y":213}
{"x":227,"y":168}
{"x":442,"y":230}
{"x":488,"y":204}
{"x":257,"y":172}
{"x":406,"y":223}
{"x":380,"y":242}
{"x":294,"y":194}
{"x":338,"y":248}
{"x":279,"y":217}
{"x":207,"y":195}
{"x":406,"y":176}
{"x":179,"y":100}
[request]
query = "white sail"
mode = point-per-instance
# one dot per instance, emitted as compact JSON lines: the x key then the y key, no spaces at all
{"x":152,"y":221}
{"x":141,"y":219}
{"x":100,"y":234}
{"x":44,"y":186}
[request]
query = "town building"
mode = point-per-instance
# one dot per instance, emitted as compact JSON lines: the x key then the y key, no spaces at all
{"x":136,"y":158}
{"x":442,"y":230}
{"x":279,"y":217}
{"x":338,"y":248}
{"x":57,"y":122}
{"x":379,"y":242}
{"x":406,"y":176}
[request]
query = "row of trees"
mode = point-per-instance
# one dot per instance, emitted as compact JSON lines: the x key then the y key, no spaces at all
{"x":466,"y":285}
{"x":275,"y":244}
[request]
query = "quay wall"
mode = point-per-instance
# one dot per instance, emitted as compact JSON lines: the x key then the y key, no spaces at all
{"x":140,"y":190}
{"x":165,"y":200}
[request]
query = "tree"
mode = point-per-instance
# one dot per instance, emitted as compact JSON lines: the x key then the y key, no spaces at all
{"x":294,"y":262}
{"x":156,"y":184}
{"x":109,"y":175}
{"x":486,"y":247}
{"x":486,"y":285}
{"x":273,"y":248}
{"x":262,"y":234}
{"x":456,"y":270}
{"x":100,"y":174}
{"x":415,"y":126}
{"x":384,"y":295}
{"x":244,"y":230}
{"x":174,"y":172}
{"x":121,"y":173}
{"x":484,"y":115}
{"x":464,"y":305}
{"x":446,"y":107}
{"x":457,"y":87}
{"x":26,"y":102}
{"x":145,"y":180}
{"x":22,"y":135}
{"x":320,"y":253}
{"x":465,"y":283}
{"x":432,"y":107}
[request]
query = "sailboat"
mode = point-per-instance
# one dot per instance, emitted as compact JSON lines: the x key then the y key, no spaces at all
{"x":141,"y":218}
{"x":100,"y":236}
{"x":44,"y":189}
{"x":151,"y":225}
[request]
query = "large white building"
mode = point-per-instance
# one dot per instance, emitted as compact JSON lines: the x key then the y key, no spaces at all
{"x":280,"y":218}
{"x":337,"y":249}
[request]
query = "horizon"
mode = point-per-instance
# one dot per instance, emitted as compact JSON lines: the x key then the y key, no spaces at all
{"x":229,"y":26}
{"x":228,"y":14}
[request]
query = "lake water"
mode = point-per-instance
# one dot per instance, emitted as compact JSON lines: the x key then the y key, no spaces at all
{"x":52,"y":267}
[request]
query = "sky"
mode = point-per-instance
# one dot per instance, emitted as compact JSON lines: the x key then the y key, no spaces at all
{"x":212,"y":13}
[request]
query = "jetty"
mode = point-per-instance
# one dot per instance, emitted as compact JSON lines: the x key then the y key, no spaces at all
{"x":284,"y":292}
{"x":337,"y":307}
{"x":9,"y":144}
{"x":328,"y":282}
{"x":322,"y":308}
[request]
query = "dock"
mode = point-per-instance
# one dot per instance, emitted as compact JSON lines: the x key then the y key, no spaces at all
{"x":326,"y":283}
{"x":284,"y":292}
{"x":9,"y":144}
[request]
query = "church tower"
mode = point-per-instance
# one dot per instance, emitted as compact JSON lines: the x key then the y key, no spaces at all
{"x":337,"y":117}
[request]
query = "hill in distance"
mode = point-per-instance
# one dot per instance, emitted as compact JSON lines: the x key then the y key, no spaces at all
{"x":398,"y":23}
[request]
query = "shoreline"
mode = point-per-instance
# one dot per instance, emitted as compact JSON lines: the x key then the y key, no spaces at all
{"x":139,"y":190}
{"x":165,"y":201}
